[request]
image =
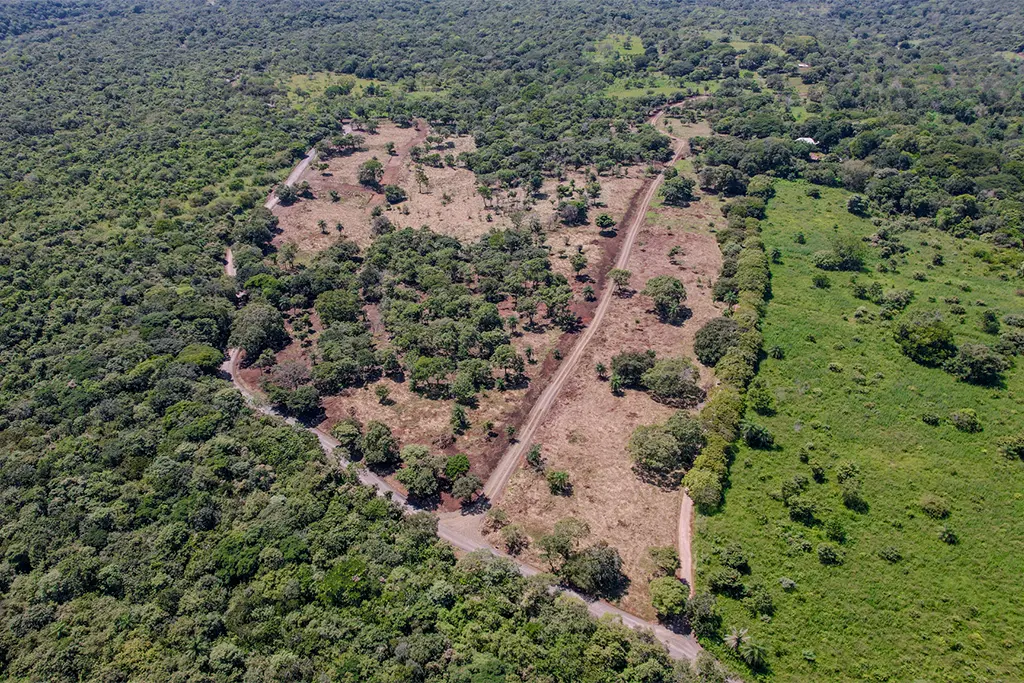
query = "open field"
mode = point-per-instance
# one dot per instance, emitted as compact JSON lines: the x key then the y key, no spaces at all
{"x":931,"y":611}
{"x":586,"y":433}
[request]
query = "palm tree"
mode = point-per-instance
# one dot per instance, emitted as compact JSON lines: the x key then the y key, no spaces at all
{"x":753,"y":653}
{"x":736,"y":638}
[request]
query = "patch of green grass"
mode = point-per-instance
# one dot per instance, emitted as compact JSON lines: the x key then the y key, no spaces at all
{"x":621,"y":44}
{"x":941,"y":612}
{"x":656,"y":85}
{"x":1009,"y":55}
{"x":304,"y":90}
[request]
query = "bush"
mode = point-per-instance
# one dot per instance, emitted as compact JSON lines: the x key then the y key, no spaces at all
{"x":977,"y":364}
{"x":630,"y":366}
{"x":714,"y":339}
{"x":847,"y":253}
{"x":702,"y":614}
{"x":456,"y":466}
{"x":704,"y":488}
{"x":756,"y":436}
{"x":673,"y":381}
{"x":596,"y":570}
{"x":890,"y":554}
{"x":378,"y":446}
{"x":760,"y":399}
{"x":1011,"y":447}
{"x":925,"y":339}
{"x":393,"y":194}
{"x":829,"y":555}
{"x":677,"y":191}
{"x":558,"y":482}
{"x":669,"y":597}
{"x":723,"y":412}
{"x":965,"y":420}
{"x":934,"y":506}
{"x":668,"y":295}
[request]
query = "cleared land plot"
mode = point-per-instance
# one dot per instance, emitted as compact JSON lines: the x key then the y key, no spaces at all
{"x":932,"y":610}
{"x":587,"y":432}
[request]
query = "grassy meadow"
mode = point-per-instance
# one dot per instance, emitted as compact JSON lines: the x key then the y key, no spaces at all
{"x":903,"y":605}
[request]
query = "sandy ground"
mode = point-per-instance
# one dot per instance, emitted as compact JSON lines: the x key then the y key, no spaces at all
{"x":586,"y":433}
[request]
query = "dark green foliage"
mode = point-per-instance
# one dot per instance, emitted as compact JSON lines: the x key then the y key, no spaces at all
{"x":925,"y":338}
{"x":630,"y":366}
{"x":668,"y":294}
{"x":673,"y":381}
{"x":378,"y":446}
{"x":977,"y":364}
{"x":258,"y":327}
{"x":678,"y":190}
{"x":714,"y":339}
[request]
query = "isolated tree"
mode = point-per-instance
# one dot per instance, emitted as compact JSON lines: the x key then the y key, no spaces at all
{"x":378,"y":446}
{"x":370,"y":173}
{"x":678,"y":191}
{"x":596,"y":570}
{"x":394,"y":194}
{"x":620,"y":277}
{"x":925,"y":338}
{"x":466,"y":487}
{"x":735,"y":638}
{"x":578,"y":262}
{"x":630,"y":366}
{"x":669,"y":597}
{"x":322,"y":224}
{"x":514,"y":538}
{"x":286,"y":194}
{"x":256,"y":328}
{"x":422,"y":180}
{"x":604,"y":221}
{"x":668,"y":294}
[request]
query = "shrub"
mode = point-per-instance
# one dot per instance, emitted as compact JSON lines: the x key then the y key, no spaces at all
{"x":934,"y":506}
{"x":802,"y":510}
{"x":378,"y":446}
{"x":669,"y":597}
{"x":977,"y":364}
{"x":678,"y":190}
{"x":760,"y":399}
{"x":558,"y":482}
{"x":890,"y":554}
{"x":725,"y":580}
{"x":829,"y":555}
{"x":723,"y":412}
{"x":1011,"y":447}
{"x":514,"y":538}
{"x":704,"y":488}
{"x":946,"y":535}
{"x":665,"y":560}
{"x":596,"y":570}
{"x":668,"y":295}
{"x":702,"y":614}
{"x":630,"y":366}
{"x":756,"y":436}
{"x":847,"y":253}
{"x":965,"y":420}
{"x":821,"y":281}
{"x":737,"y":367}
{"x":456,"y":466}
{"x":393,"y":194}
{"x":673,"y":381}
{"x":925,"y":338}
{"x":714,"y":339}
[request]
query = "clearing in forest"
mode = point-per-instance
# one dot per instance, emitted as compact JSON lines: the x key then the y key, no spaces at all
{"x":586,"y":433}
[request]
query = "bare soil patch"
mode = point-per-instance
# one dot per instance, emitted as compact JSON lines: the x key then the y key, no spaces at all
{"x":587,"y":432}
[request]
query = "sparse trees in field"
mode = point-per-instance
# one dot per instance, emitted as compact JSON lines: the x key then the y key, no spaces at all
{"x":668,"y":294}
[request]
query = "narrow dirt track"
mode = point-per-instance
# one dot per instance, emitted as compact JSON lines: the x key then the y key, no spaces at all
{"x":509,"y":463}
{"x":679,"y":646}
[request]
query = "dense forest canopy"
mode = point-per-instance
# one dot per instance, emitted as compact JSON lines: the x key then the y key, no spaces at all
{"x":152,"y":526}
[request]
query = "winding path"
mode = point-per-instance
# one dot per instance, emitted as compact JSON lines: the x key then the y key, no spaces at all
{"x":679,"y":646}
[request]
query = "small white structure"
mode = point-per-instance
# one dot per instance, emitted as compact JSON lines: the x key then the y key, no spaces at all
{"x":809,"y":141}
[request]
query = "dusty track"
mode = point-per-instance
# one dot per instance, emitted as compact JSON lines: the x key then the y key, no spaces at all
{"x":509,"y":463}
{"x":679,"y":646}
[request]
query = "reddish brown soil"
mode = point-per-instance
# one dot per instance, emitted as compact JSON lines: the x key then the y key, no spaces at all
{"x":586,"y":433}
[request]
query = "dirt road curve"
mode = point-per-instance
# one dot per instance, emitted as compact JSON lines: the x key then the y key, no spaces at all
{"x":679,"y":646}
{"x":509,"y":462}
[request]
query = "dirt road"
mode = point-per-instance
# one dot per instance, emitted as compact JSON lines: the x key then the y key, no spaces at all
{"x":509,"y":463}
{"x":679,"y":646}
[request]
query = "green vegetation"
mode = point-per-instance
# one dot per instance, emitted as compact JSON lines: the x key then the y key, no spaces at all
{"x":862,"y":483}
